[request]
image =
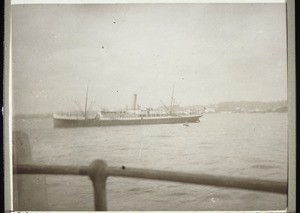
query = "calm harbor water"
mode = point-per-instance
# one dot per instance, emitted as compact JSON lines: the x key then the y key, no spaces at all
{"x":238,"y":145}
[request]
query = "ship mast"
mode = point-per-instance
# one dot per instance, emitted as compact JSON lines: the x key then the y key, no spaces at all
{"x":86,"y":100}
{"x":172,"y":100}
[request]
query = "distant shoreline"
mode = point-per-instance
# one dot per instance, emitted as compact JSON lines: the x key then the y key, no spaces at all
{"x":22,"y":116}
{"x":223,"y":107}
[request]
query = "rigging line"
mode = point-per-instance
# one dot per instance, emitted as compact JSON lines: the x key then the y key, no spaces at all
{"x":168,"y":110}
{"x":88,"y":109}
{"x":91,"y":105}
{"x":79,"y":107}
{"x":86,"y":100}
{"x":172,"y":98}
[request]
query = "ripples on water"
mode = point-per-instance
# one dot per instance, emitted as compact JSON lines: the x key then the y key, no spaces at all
{"x":239,"y":145}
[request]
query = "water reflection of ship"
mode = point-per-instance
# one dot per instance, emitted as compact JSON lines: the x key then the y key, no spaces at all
{"x":134,"y":116}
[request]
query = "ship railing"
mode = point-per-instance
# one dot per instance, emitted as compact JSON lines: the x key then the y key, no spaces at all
{"x":99,"y":171}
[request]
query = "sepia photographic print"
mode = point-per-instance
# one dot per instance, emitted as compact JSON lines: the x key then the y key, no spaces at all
{"x":150,"y":106}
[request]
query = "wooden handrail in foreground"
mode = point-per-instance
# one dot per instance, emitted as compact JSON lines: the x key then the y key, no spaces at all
{"x":98,"y":172}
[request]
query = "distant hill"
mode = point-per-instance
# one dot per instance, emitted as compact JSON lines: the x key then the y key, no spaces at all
{"x":251,"y":106}
{"x":239,"y":106}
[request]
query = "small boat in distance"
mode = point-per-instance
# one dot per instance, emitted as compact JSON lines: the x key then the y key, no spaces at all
{"x":134,"y":116}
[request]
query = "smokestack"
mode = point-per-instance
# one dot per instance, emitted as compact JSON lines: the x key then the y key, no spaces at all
{"x":134,"y":101}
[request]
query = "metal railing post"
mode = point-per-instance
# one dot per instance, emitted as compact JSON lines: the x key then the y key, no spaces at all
{"x":97,"y":173}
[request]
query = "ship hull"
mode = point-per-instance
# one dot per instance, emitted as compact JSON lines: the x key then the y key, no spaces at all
{"x":61,"y":122}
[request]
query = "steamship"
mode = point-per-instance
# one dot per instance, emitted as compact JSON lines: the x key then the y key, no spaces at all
{"x":134,"y":116}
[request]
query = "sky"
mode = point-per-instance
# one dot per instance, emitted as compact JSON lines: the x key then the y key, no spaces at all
{"x":210,"y":52}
